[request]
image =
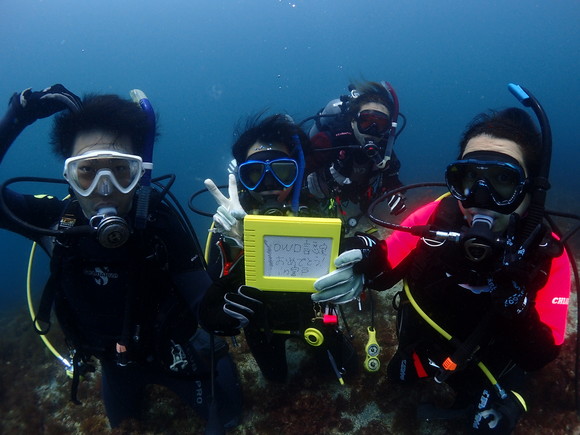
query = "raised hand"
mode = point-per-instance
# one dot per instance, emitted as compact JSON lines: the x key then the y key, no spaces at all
{"x":229,"y":216}
{"x":28,"y":105}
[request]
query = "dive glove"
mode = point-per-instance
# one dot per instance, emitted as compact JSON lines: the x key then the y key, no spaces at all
{"x":228,"y":219}
{"x":28,"y":106}
{"x":397,"y":204}
{"x":243,"y":305}
{"x":363,"y":262}
{"x":342,"y":285}
{"x":225,"y":312}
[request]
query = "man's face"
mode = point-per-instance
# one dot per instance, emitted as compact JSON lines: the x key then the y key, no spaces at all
{"x":99,"y":198}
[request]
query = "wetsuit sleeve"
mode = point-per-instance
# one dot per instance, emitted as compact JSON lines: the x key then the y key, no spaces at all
{"x":551,"y":302}
{"x":211,"y":314}
{"x":400,"y":244}
{"x":536,"y":338}
{"x":42,"y":211}
{"x":185,"y":264}
{"x":318,"y":157}
{"x":10,"y":128}
{"x":391,"y":177}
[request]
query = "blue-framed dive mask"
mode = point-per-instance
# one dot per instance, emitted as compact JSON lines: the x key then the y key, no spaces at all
{"x":253,"y":172}
{"x":491,"y":185}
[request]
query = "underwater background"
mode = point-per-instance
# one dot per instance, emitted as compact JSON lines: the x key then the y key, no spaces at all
{"x":207,"y":65}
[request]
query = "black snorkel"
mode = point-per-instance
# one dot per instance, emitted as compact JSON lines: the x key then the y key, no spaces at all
{"x":540,"y":183}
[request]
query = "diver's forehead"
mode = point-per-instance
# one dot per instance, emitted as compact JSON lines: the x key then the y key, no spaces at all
{"x":489,"y":143}
{"x":101,"y":140}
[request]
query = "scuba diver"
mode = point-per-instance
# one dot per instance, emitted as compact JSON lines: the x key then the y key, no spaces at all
{"x":126,"y":278}
{"x":353,"y":158}
{"x":270,"y":162}
{"x":486,"y":282}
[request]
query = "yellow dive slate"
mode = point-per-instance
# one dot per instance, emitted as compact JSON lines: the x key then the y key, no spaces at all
{"x":287,"y":254}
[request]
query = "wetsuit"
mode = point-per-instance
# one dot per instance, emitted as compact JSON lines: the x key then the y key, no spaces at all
{"x":365,"y":181}
{"x":285,"y":315}
{"x":455,"y":296}
{"x":144,"y":295}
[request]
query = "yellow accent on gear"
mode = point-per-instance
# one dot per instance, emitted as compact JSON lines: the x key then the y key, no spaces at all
{"x":447,"y":336}
{"x":31,"y":308}
{"x":313,"y":337}
{"x":520,"y":399}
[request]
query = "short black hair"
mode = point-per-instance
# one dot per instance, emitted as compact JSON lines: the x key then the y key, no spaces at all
{"x":276,"y":128}
{"x":370,"y":92}
{"x":110,"y":113}
{"x":512,"y":124}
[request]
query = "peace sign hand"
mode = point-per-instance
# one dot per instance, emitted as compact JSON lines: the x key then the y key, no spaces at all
{"x":228,"y":219}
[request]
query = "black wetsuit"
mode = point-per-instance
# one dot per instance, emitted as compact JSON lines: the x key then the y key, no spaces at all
{"x":148,"y":288}
{"x":286,"y":315}
{"x":366,"y":182}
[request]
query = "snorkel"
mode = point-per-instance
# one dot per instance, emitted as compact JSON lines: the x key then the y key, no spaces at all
{"x":393,"y":130}
{"x":536,"y":211}
{"x":142,"y":210}
{"x":540,"y":183}
{"x":299,"y":152}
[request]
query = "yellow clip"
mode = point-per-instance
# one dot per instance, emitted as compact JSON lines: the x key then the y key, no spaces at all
{"x":372,"y":349}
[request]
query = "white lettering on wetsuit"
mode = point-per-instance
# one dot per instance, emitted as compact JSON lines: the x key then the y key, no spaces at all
{"x":560,"y":301}
{"x":101,"y":275}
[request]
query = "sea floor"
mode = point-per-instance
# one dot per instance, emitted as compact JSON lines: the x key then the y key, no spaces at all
{"x":34,"y":393}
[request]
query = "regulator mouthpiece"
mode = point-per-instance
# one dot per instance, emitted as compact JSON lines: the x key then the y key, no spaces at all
{"x":479,"y":239}
{"x":112,"y":230}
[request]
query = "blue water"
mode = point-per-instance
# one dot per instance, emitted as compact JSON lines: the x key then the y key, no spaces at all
{"x":207,"y":64}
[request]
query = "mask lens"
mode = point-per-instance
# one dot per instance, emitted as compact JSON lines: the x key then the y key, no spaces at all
{"x":251,"y":173}
{"x":373,"y":122}
{"x":503,"y":180}
{"x":285,"y":171}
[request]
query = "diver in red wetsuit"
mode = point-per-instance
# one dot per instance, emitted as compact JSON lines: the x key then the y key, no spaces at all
{"x":482,"y":311}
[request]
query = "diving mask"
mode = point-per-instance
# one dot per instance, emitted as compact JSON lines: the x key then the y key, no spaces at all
{"x":494,"y":185}
{"x":252,"y":172}
{"x":102,"y":171}
{"x":373,"y":123}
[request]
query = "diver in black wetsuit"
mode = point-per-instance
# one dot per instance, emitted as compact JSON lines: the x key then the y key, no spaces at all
{"x":124,"y":291}
{"x":268,"y":155}
{"x":352,"y":142}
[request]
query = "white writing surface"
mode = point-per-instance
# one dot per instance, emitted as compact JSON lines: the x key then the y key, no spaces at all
{"x":299,"y":257}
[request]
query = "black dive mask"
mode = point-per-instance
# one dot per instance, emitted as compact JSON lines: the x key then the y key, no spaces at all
{"x":487,"y":180}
